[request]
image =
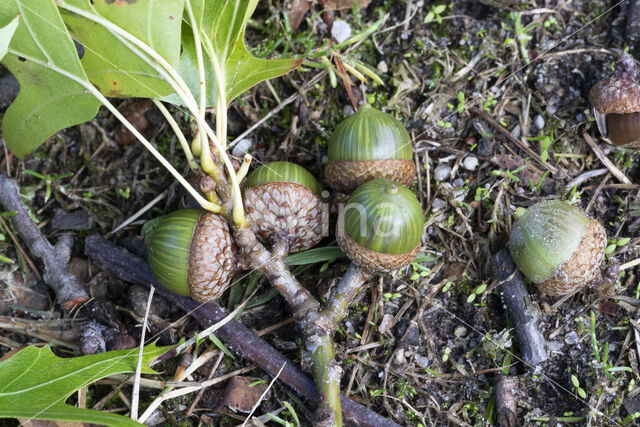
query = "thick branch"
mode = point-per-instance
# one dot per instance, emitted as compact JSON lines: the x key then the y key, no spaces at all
{"x":506,"y":404}
{"x":347,"y":290}
{"x":238,"y":337}
{"x":57,"y":275}
{"x":523,"y":314}
{"x":273,"y":267}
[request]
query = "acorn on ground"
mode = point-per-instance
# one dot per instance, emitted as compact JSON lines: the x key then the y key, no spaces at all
{"x":557,"y":246}
{"x":616,"y":103}
{"x":380,"y":227}
{"x":367,"y":145}
{"x":283,"y":204}
{"x":192,"y":253}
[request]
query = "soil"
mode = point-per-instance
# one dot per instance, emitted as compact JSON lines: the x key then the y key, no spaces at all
{"x":425,"y":345}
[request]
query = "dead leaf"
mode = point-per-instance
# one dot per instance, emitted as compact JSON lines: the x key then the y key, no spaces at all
{"x":296,"y":10}
{"x":241,"y":396}
{"x":344,"y":4}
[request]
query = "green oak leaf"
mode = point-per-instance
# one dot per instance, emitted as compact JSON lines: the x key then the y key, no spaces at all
{"x":111,"y":66}
{"x":223,"y":23}
{"x":35,"y":383}
{"x":39,"y":55}
{"x":6,"y":34}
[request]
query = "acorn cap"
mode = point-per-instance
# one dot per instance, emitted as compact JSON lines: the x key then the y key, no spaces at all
{"x":380,"y":227}
{"x":620,"y":92}
{"x":282,"y":203}
{"x":367,"y":145}
{"x":557,"y":246}
{"x":191,"y":252}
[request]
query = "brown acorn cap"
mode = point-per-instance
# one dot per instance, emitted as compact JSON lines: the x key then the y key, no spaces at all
{"x":583,"y":265}
{"x":620,"y":92}
{"x":212,"y":258}
{"x":286,"y":211}
{"x":347,"y":175}
{"x":366,"y":258}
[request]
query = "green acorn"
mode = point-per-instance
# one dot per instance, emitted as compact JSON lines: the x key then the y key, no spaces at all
{"x":282,"y":203}
{"x":380,"y":227}
{"x":191,"y":252}
{"x":616,"y":104}
{"x":557,"y":246}
{"x":367,"y":145}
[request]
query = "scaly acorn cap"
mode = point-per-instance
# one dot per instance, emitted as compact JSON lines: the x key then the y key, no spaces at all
{"x":367,"y":145}
{"x":557,"y":246}
{"x":282,"y":203}
{"x":191,"y":252}
{"x":616,"y":103}
{"x":380,"y":227}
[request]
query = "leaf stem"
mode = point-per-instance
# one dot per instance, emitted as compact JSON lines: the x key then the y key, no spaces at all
{"x":213,"y":207}
{"x":170,"y":74}
{"x":181,"y":138}
{"x":221,"y":127}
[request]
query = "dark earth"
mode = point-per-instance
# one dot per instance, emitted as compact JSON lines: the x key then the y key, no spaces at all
{"x":425,"y":345}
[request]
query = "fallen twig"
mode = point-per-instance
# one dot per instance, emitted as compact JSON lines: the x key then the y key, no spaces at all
{"x":506,"y":415}
{"x":238,"y":337}
{"x":520,"y":308}
{"x":57,"y":275}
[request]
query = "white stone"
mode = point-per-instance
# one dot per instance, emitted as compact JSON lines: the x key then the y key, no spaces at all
{"x":242,"y":147}
{"x":442,"y":172}
{"x":539,"y":122}
{"x":470,"y":163}
{"x":340,"y":30}
{"x":438,"y":204}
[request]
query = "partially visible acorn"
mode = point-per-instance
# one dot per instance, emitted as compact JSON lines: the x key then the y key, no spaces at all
{"x":557,"y":246}
{"x":616,"y":103}
{"x":367,"y":145}
{"x":380,"y":227}
{"x":283,"y":204}
{"x":191,"y":252}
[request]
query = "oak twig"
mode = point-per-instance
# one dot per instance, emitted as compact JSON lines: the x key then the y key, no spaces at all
{"x":506,"y":404}
{"x":238,"y":337}
{"x":69,"y":291}
{"x":521,"y":311}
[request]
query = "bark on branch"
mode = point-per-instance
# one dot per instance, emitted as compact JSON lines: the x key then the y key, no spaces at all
{"x":521,"y":311}
{"x":57,"y":275}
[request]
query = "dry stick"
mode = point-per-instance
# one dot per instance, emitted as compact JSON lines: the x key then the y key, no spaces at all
{"x":605,"y":160}
{"x":239,"y":338}
{"x":497,"y":126}
{"x":523,"y":314}
{"x":57,"y":275}
{"x":506,"y":412}
{"x":136,"y":378}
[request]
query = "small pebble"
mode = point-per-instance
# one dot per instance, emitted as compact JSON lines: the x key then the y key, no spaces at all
{"x":539,"y":122}
{"x":340,"y":30}
{"x":382,"y":67}
{"x":347,"y":111}
{"x":470,"y":163}
{"x":422,"y":361}
{"x":242,"y":147}
{"x":571,"y":338}
{"x":438,"y":204}
{"x":458,"y":182}
{"x":460,"y":331}
{"x":442,"y":172}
